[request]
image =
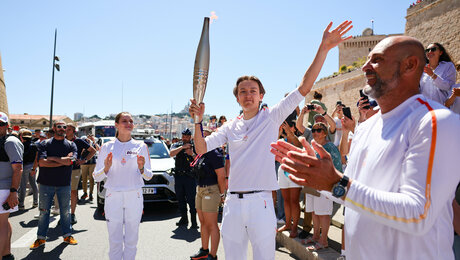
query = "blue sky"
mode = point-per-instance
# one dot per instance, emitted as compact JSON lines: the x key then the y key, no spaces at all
{"x":149,"y":47}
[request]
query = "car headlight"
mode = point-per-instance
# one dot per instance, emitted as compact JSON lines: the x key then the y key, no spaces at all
{"x":170,"y":172}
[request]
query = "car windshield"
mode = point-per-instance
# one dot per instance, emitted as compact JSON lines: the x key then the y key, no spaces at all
{"x":157,"y":150}
{"x":102,"y":131}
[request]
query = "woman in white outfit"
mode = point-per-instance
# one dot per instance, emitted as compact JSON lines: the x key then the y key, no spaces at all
{"x":320,"y":205}
{"x":124,"y":162}
{"x":290,"y":190}
{"x":439,"y":74}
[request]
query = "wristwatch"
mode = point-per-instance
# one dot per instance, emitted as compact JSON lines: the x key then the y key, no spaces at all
{"x":340,"y":188}
{"x":13,"y":190}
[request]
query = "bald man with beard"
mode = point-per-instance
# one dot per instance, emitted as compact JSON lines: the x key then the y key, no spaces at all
{"x":402,"y":171}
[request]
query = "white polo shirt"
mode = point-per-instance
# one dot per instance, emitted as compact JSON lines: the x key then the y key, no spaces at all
{"x":252,"y":165}
{"x":404,"y":166}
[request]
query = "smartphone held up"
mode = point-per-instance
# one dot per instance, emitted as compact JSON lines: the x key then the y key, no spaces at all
{"x":347,"y":112}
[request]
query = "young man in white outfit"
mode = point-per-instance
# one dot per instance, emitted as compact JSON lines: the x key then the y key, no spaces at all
{"x":403,"y":166}
{"x":248,"y":211}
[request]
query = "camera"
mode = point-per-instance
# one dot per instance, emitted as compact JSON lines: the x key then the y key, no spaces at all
{"x":310,"y":107}
{"x":192,"y":146}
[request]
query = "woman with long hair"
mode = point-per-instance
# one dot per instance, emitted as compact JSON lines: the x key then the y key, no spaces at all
{"x":320,"y":205}
{"x":124,"y":162}
{"x":439,"y":74}
{"x":222,"y":120}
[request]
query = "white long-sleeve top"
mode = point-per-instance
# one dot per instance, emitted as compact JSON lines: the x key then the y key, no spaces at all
{"x":439,"y":89}
{"x":124,"y":174}
{"x":252,"y":164}
{"x":404,"y":167}
{"x":456,"y":105}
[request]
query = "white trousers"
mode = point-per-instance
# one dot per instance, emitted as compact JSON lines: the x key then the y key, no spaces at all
{"x":249,"y":218}
{"x":123,"y":213}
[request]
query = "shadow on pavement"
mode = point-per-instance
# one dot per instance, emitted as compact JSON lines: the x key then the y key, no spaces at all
{"x":40,"y":254}
{"x":189,"y":235}
{"x":32,"y":223}
{"x":152,"y":212}
{"x":55,"y":233}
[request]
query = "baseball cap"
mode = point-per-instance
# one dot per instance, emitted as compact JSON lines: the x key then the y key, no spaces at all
{"x":25,"y":133}
{"x":187,"y":132}
{"x":3,"y":117}
{"x":317,"y":116}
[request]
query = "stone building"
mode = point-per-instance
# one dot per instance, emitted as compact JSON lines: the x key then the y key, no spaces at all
{"x":35,"y":121}
{"x":428,"y":21}
{"x":345,"y":87}
{"x":358,"y":47}
{"x":3,"y":100}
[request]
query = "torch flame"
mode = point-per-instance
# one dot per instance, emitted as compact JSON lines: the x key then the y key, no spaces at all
{"x":213,"y":17}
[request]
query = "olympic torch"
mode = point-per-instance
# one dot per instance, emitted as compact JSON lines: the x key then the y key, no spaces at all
{"x":200,"y":71}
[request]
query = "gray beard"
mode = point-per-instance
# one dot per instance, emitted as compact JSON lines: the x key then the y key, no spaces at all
{"x":381,"y":87}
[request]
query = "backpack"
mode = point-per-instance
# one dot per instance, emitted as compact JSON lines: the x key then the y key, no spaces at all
{"x":3,"y":155}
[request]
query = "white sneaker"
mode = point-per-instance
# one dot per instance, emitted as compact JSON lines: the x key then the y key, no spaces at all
{"x":281,"y":221}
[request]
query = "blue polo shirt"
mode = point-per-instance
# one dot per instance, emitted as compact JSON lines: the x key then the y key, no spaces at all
{"x":56,"y":176}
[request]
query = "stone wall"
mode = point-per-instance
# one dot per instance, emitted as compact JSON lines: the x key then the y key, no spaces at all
{"x":3,"y":100}
{"x":436,"y":21}
{"x":357,"y":48}
{"x":344,"y":87}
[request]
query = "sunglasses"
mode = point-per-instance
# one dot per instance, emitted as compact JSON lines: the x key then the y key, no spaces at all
{"x":432,"y":49}
{"x":3,"y":123}
{"x":317,"y":130}
{"x":61,"y":126}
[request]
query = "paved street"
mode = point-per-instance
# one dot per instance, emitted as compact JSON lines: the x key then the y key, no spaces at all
{"x":159,"y":238}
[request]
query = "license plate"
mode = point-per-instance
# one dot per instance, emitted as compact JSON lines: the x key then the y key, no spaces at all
{"x":149,"y":190}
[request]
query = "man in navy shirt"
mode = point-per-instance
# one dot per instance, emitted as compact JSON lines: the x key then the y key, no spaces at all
{"x":82,"y":158}
{"x":56,"y":156}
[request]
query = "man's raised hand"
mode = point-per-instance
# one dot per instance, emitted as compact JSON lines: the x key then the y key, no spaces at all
{"x":336,"y":36}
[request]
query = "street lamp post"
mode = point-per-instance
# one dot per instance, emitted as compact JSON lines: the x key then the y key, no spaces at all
{"x":55,"y":66}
